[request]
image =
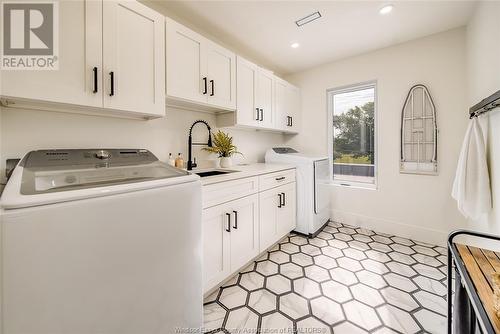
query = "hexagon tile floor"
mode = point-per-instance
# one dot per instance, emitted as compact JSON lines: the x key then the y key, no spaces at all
{"x":346,"y":280}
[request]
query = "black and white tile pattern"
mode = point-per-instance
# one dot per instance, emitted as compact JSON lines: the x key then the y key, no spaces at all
{"x":346,"y":280}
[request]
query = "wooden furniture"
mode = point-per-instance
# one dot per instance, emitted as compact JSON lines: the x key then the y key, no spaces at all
{"x":475,"y":267}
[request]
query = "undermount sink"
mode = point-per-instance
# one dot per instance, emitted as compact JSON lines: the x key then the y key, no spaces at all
{"x":214,"y":172}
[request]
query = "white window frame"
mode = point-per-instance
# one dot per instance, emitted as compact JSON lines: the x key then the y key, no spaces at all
{"x":330,"y":109}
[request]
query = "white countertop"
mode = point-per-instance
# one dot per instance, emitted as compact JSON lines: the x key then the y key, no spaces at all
{"x":242,"y":171}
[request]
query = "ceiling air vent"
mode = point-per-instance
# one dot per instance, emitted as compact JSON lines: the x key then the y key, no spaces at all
{"x":308,"y":19}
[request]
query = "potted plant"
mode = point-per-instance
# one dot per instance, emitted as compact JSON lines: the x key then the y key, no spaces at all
{"x":222,"y":145}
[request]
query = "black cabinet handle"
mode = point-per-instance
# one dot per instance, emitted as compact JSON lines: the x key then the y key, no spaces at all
{"x":213,"y":88}
{"x":228,"y":228}
{"x":280,"y":178}
{"x":235,"y":226}
{"x":94,"y":70}
{"x":112,"y":78}
{"x":205,"y":88}
{"x":258,"y":114}
{"x":279,"y":199}
{"x":261,"y":114}
{"x":284,"y":199}
{"x":291,"y":121}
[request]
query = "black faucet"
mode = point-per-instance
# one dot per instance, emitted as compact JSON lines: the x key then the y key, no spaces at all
{"x":190,"y":163}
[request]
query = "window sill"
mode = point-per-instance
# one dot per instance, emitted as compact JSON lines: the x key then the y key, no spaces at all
{"x":354,"y":185}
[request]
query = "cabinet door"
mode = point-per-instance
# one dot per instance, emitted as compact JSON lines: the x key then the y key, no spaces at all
{"x":216,"y":245}
{"x":221,"y":73}
{"x":294,"y":108}
{"x":287,"y":217}
{"x":268,"y":222}
{"x":186,"y":63}
{"x":80,"y":43}
{"x":246,"y":87}
{"x":133,"y":57}
{"x":244,"y":231}
{"x":265,"y":85}
{"x":281,"y":104}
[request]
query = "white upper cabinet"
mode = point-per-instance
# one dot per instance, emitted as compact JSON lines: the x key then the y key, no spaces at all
{"x":263,"y":101}
{"x":265,"y":87}
{"x":111,"y":58}
{"x":246,"y":93}
{"x":294,"y":113}
{"x":134,"y":57}
{"x":254,"y":105}
{"x":80,"y":56}
{"x":221,"y":73}
{"x":287,"y":106}
{"x":281,"y":104}
{"x":198,"y":70}
{"x":185,"y":67}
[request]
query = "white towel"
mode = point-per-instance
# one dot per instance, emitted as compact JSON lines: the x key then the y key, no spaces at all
{"x":471,"y":188}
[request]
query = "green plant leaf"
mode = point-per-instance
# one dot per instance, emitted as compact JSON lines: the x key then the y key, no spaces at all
{"x":222,"y":145}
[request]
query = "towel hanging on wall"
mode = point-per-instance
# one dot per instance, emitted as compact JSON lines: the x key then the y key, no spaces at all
{"x":471,"y":188}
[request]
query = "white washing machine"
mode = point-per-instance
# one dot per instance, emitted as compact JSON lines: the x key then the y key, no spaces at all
{"x":313,"y":182}
{"x":100,"y":241}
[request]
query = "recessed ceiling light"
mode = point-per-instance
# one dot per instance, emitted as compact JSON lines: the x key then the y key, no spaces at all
{"x":386,"y":9}
{"x":295,"y":45}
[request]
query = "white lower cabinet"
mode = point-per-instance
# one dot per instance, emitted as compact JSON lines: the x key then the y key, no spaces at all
{"x":277,"y":214}
{"x":216,"y":246}
{"x":230,"y":238}
{"x":244,"y":231}
{"x":240,"y":228}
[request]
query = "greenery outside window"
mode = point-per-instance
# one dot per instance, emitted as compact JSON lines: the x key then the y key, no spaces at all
{"x":352,"y":133}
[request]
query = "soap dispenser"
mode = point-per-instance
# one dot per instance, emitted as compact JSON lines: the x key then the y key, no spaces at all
{"x":171,"y":160}
{"x":179,"y":162}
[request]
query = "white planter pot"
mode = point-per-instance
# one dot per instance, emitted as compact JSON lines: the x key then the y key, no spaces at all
{"x":226,"y":162}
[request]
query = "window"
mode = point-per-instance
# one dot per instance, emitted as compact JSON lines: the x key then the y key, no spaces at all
{"x":352,"y":131}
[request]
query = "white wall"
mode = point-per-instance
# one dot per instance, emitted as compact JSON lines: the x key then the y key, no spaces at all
{"x":25,"y":130}
{"x":483,"y":64}
{"x":415,"y":206}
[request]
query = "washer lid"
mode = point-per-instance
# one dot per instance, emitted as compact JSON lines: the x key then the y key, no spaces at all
{"x":284,"y":150}
{"x":48,"y":171}
{"x":290,"y":154}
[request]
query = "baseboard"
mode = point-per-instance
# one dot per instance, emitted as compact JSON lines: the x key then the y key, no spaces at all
{"x":417,"y":233}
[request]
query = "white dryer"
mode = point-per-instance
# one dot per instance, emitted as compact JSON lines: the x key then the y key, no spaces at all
{"x":313,"y":180}
{"x":100,"y":241}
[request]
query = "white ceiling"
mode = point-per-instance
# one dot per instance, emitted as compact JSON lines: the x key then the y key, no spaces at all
{"x":264,"y":30}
